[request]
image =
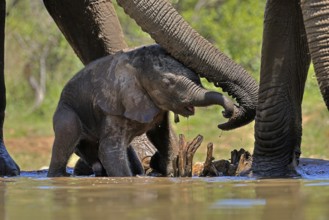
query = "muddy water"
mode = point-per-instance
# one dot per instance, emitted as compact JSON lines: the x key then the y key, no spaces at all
{"x":36,"y":197}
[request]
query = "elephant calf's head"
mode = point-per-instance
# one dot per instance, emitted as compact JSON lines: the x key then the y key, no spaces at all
{"x":171,"y":85}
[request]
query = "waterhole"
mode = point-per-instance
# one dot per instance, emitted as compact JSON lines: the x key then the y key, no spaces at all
{"x":33,"y":196}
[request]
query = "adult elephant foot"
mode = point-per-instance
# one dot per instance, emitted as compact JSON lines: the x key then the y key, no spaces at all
{"x":263,"y":167}
{"x":8,"y":167}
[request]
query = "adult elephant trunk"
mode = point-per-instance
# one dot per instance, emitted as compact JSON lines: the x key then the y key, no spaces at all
{"x":169,"y":29}
{"x":316,"y":20}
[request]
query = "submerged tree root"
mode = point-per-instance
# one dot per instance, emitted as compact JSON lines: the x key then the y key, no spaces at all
{"x":183,"y":162}
{"x":238,"y":165}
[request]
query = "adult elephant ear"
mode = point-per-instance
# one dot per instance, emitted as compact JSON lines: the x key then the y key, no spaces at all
{"x":168,"y":28}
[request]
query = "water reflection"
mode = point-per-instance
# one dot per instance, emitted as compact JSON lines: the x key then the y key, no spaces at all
{"x":163,"y":198}
{"x":284,"y":199}
{"x":239,"y":203}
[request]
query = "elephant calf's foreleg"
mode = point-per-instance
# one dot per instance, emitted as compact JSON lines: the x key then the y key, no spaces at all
{"x":113,"y":156}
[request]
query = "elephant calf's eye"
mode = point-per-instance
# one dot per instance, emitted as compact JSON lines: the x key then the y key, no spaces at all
{"x":167,"y":82}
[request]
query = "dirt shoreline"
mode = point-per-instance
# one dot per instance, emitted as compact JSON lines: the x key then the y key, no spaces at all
{"x":32,"y":153}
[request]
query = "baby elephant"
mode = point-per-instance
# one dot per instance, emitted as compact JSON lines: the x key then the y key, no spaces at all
{"x":118,"y":97}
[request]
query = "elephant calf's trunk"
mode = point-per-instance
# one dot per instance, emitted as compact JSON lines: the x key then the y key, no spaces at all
{"x":207,"y":98}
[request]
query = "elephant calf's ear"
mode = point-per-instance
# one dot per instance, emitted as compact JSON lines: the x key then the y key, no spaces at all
{"x":137,"y":103}
{"x":122,"y":94}
{"x":133,"y":104}
{"x":141,"y":109}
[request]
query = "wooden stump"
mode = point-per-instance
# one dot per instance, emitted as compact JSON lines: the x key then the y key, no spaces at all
{"x":182,"y":163}
{"x":208,"y":168}
{"x":244,"y":164}
{"x":239,"y":165}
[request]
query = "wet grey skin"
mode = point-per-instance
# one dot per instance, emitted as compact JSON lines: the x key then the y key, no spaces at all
{"x":118,"y":97}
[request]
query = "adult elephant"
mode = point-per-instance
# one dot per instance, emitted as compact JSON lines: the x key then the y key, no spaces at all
{"x":293,"y":30}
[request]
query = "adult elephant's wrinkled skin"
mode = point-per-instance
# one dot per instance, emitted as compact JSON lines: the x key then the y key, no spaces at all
{"x":294,"y":32}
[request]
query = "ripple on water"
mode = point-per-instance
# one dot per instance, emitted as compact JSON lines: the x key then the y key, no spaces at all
{"x":238,"y":203}
{"x":326,"y":183}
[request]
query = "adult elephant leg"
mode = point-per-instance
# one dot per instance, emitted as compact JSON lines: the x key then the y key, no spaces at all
{"x":165,"y":140}
{"x":168,"y":28}
{"x":8,"y":167}
{"x":90,"y":26}
{"x":316,"y":19}
{"x":284,"y":67}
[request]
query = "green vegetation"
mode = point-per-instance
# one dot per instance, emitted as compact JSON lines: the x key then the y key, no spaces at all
{"x":39,"y":62}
